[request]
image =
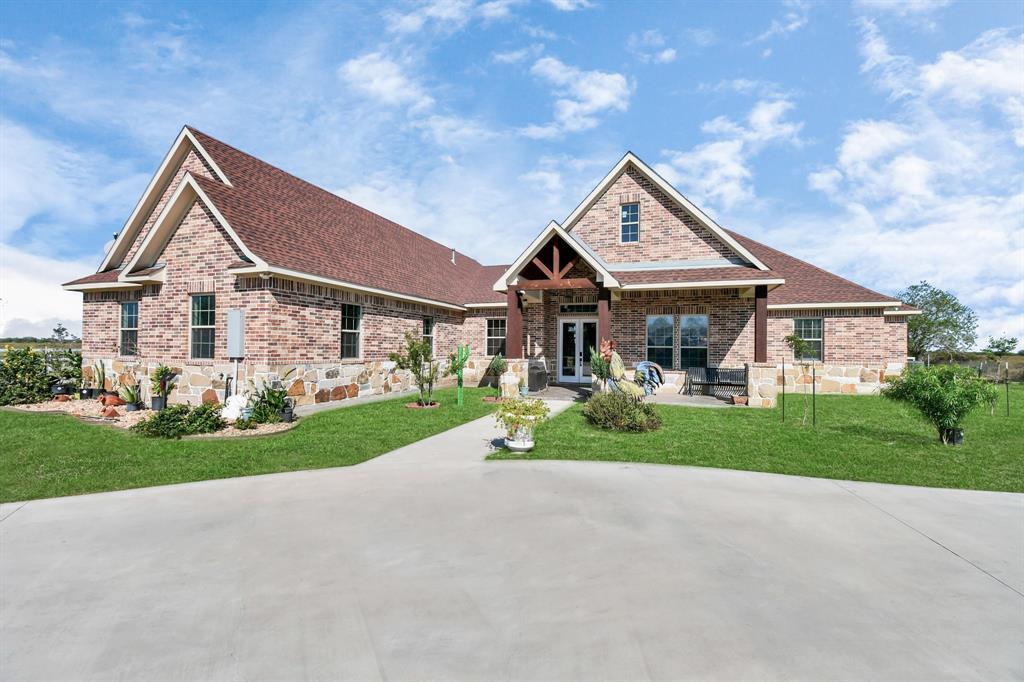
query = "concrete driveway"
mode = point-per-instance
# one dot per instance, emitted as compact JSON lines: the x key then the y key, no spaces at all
{"x":432,"y":563}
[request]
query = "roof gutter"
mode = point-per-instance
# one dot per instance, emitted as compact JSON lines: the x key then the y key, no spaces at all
{"x":271,"y":270}
{"x":710,"y":284}
{"x":814,"y":306}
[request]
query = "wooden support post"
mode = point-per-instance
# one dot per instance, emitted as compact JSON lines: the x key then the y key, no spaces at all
{"x":604,"y":315}
{"x":514,"y":326}
{"x":761,"y":323}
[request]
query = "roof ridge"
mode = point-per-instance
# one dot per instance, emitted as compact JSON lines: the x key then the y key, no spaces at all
{"x":331,"y":195}
{"x":808,"y":264}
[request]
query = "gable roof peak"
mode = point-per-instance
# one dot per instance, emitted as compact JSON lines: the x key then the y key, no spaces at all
{"x":673,"y":194}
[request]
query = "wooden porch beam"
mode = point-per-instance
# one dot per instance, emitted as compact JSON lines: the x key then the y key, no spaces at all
{"x":514,"y":326}
{"x":566,"y":269}
{"x":604,"y":315}
{"x":761,"y":323}
{"x":544,"y":269}
{"x":554,"y":257}
{"x":538,"y":284}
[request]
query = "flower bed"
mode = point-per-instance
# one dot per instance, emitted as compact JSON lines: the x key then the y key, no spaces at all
{"x":92,"y":411}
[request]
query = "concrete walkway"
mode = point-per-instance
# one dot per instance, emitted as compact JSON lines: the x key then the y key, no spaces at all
{"x":431,"y":563}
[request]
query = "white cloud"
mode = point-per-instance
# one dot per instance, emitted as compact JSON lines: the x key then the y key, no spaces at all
{"x":516,"y":56}
{"x":448,"y":16}
{"x":31,"y":300}
{"x":700,"y":37}
{"x":570,"y":5}
{"x":795,"y":18}
{"x":649,"y":46}
{"x":719,"y":173}
{"x":902,"y":7}
{"x":385,"y":80}
{"x":745,"y":86}
{"x":580,"y":96}
{"x":934,"y":191}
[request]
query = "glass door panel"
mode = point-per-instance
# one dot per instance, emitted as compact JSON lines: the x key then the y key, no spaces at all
{"x":567,"y":352}
{"x":588,"y":341}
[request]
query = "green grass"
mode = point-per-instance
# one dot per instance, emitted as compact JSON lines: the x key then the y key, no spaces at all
{"x":46,"y":455}
{"x":857,"y":438}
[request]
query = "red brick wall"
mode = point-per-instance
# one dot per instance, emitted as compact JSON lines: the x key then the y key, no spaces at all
{"x":849,"y":336}
{"x":194,"y":164}
{"x":667,"y":232}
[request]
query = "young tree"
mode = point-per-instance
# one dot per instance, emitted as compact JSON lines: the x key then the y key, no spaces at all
{"x":801,"y":351}
{"x":418,"y":358}
{"x":944,"y":395}
{"x":945,"y":324}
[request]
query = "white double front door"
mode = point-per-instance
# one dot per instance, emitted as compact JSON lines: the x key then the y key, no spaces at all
{"x":575,"y":339}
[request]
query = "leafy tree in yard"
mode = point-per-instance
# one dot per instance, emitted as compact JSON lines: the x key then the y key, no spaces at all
{"x":945,"y":324}
{"x":943,"y":394}
{"x":418,"y":358}
{"x":1001,"y":347}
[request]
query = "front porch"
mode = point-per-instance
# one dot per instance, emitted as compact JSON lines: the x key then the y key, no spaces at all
{"x":563,"y":302}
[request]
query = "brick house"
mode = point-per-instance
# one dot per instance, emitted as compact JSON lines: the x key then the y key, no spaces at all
{"x":328,"y":289}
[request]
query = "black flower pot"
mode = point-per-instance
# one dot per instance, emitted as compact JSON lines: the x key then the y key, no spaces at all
{"x":94,"y":392}
{"x":158,"y":402}
{"x":84,"y":393}
{"x":58,"y":389}
{"x":287,"y":415}
{"x":131,"y":407}
{"x":953,"y":436}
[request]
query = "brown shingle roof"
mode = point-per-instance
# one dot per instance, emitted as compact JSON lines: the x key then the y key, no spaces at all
{"x":96,"y":278}
{"x":293,"y":224}
{"x":806,"y":283}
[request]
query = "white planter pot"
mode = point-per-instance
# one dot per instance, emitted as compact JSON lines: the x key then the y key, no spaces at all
{"x":523,"y":440}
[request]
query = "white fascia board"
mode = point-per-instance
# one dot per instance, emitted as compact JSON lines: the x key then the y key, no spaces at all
{"x":503,"y":304}
{"x":901,"y":313}
{"x":815,"y":306}
{"x":708,"y":284}
{"x":667,"y":188}
{"x":187,"y":191}
{"x":512,"y":273}
{"x":158,"y":180}
{"x":265,"y":269}
{"x":97,"y":286}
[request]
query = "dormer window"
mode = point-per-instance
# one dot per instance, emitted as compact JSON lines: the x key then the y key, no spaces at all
{"x":630,"y":223}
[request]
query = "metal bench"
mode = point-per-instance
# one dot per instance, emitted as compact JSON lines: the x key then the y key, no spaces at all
{"x":715,"y":377}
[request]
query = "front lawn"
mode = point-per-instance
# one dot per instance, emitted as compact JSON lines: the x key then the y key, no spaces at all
{"x":857,"y":438}
{"x":43,"y":455}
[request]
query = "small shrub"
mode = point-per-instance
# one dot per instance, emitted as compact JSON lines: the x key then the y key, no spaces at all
{"x":521,"y":413}
{"x":24,"y":377}
{"x":943,"y":394}
{"x":176,"y":421}
{"x":204,"y":418}
{"x":267,"y":401}
{"x":620,"y":412}
{"x":497,"y":366}
{"x":244,"y":424}
{"x":161,"y":380}
{"x":599,"y":367}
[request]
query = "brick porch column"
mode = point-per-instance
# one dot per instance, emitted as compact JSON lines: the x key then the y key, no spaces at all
{"x":604,"y":315}
{"x":761,"y":323}
{"x":514,"y":326}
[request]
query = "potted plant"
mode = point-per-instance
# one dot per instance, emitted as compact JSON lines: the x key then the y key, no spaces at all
{"x":524,"y":389}
{"x":160,"y":385}
{"x":943,"y":394}
{"x":495,"y":369}
{"x":519,"y":418}
{"x":269,"y":403}
{"x":130,"y":394}
{"x":100,"y":372}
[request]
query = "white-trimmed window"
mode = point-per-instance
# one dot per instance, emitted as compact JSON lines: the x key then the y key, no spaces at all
{"x":428,"y":331}
{"x":629,"y":224}
{"x":659,"y":339}
{"x":351,"y":331}
{"x":130,"y":328}
{"x":693,"y":341}
{"x":203,"y":335}
{"x":810,"y":330}
{"x":496,"y":335}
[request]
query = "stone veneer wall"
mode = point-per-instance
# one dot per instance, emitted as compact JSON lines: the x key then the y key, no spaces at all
{"x":765,"y":380}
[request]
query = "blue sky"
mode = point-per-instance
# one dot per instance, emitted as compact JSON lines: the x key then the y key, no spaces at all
{"x":879,"y":139}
